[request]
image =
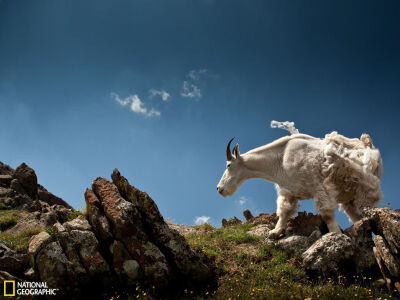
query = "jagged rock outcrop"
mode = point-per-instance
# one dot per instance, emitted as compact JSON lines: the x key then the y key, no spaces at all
{"x":19,"y":189}
{"x":231,"y":222}
{"x":27,"y":211}
{"x":385,"y":225}
{"x":123,"y":240}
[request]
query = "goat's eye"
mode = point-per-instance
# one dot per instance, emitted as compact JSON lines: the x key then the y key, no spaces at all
{"x":228,"y":166}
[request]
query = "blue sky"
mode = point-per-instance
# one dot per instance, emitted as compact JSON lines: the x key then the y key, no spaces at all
{"x":197,"y":73}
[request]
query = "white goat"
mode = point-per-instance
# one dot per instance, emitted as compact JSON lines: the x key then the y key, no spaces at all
{"x":332,"y":170}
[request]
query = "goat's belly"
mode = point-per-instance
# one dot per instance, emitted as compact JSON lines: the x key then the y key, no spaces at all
{"x":295,"y":191}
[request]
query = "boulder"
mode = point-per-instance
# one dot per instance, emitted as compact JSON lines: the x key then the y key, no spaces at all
{"x":26,"y":176}
{"x":36,"y":243}
{"x":329,"y":255}
{"x":293,"y":244}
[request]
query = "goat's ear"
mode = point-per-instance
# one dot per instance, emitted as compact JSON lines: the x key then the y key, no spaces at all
{"x":236,"y":151}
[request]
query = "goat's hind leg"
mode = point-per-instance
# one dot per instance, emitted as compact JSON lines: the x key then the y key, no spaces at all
{"x":286,"y":208}
{"x":326,"y":207}
{"x":352,"y":211}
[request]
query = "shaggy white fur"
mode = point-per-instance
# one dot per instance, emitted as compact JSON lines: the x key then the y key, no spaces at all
{"x":334,"y":170}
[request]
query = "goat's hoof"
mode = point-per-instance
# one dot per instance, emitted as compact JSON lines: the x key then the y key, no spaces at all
{"x":276,"y":233}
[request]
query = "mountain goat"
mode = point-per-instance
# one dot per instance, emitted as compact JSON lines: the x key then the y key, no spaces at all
{"x":334,"y":170}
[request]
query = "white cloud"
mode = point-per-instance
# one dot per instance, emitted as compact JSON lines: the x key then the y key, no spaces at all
{"x":136,"y":105}
{"x":243,"y":200}
{"x":164,"y":94}
{"x":202,"y":220}
{"x":189,"y":90}
{"x":195,"y":74}
{"x":122,"y":102}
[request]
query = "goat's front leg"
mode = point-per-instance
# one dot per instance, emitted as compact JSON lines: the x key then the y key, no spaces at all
{"x":286,"y":207}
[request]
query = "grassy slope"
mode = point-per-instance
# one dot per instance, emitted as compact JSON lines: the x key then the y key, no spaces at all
{"x":248,"y":268}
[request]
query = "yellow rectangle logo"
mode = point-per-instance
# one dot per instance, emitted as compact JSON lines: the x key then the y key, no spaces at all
{"x":9,"y":288}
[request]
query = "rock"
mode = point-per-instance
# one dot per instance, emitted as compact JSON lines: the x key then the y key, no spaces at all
{"x":313,"y":237}
{"x":51,"y":199}
{"x":329,"y":254}
{"x":388,"y":264}
{"x":248,"y":215}
{"x":28,"y":222}
{"x":5,"y":180}
{"x":69,"y":247}
{"x":127,"y":226}
{"x":53,"y":268}
{"x":305,"y":223}
{"x":27,"y":178}
{"x":6,"y":169}
{"x":6,"y":192}
{"x":16,"y":186}
{"x":36,"y":243}
{"x":170,"y":241}
{"x":260,"y":230}
{"x":88,"y":248}
{"x":231,"y":222}
{"x":385,"y":224}
{"x":79,"y":223}
{"x":266,"y":219}
{"x":30,"y":274}
{"x":12,"y":261}
{"x":7,"y":276}
{"x":97,"y":219}
{"x":131,"y":268}
{"x":293,"y":244}
{"x":361,"y":237}
{"x":124,"y":266}
{"x":62,"y":213}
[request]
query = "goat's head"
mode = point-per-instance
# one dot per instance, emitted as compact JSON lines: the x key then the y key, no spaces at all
{"x":234,"y":173}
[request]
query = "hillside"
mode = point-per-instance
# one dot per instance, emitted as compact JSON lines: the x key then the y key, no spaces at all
{"x":121,"y":247}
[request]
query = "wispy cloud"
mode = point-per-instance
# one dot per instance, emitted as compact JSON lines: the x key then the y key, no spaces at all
{"x":136,"y":105}
{"x":195,"y":74}
{"x":190,"y":87}
{"x":162,"y":93}
{"x":122,"y":102}
{"x":202,"y":220}
{"x":189,"y":90}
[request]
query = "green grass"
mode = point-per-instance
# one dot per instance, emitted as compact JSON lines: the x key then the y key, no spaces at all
{"x":3,"y":206}
{"x":20,"y":240}
{"x":250,"y":269}
{"x":74,"y":214}
{"x":8,"y":218}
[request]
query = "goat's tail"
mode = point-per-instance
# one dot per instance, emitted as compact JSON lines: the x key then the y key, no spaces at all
{"x":289,"y":126}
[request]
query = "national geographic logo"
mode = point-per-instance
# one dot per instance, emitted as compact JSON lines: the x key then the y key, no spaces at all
{"x":27,"y":288}
{"x":9,"y":288}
